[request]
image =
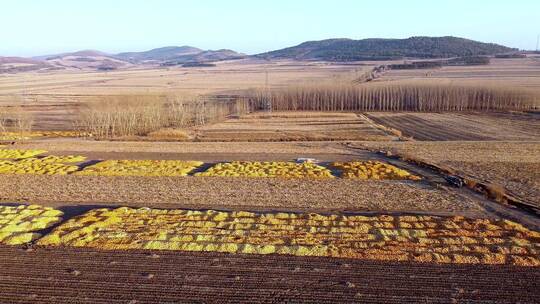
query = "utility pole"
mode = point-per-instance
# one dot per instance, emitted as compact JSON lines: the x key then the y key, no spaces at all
{"x":537,"y":42}
{"x":268,"y":102}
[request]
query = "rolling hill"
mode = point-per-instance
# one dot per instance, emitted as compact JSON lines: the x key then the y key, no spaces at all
{"x":386,"y":49}
{"x":86,"y":59}
{"x":159,"y":54}
{"x":20,"y":64}
{"x":323,"y":50}
{"x":178,"y":55}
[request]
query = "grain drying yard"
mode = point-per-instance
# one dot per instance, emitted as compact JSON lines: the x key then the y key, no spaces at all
{"x":270,"y":205}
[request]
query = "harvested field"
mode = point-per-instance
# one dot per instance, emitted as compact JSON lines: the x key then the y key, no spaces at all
{"x":55,"y":98}
{"x":522,"y":73}
{"x":512,"y":165}
{"x":230,"y":148}
{"x":467,"y":127}
{"x":455,"y":240}
{"x":293,"y":126}
{"x":234,"y":193}
{"x":66,"y":275}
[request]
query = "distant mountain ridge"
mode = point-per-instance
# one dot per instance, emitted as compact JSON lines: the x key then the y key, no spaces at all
{"x":159,"y":54}
{"x":323,"y":50}
{"x":96,"y":60}
{"x":179,"y":55}
{"x":386,"y":49}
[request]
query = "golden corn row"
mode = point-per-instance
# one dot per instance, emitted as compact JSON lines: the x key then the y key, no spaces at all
{"x":19,"y":224}
{"x":384,"y":237}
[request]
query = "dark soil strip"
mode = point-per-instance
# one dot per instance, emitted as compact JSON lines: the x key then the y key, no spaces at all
{"x":68,"y":275}
{"x":425,"y":130}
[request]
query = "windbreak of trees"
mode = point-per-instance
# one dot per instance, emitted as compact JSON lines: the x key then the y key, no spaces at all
{"x":421,"y":97}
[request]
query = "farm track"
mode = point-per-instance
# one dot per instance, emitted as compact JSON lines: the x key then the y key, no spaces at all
{"x":71,"y":275}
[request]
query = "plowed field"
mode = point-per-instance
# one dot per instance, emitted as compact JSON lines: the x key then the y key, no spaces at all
{"x":457,"y":126}
{"x":64,"y":275}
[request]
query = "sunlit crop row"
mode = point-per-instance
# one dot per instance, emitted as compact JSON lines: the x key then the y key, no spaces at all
{"x":384,"y":237}
{"x":141,"y":168}
{"x":18,"y":224}
{"x":36,"y":166}
{"x":372,"y":170}
{"x":49,"y":165}
{"x":359,"y":170}
{"x":65,"y":159}
{"x":19,"y":154}
{"x":38,"y":134}
{"x":268,"y":169}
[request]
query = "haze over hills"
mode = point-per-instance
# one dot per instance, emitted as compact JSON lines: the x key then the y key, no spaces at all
{"x":96,"y":60}
{"x":324,"y":50}
{"x":160,"y":54}
{"x":386,"y":49}
{"x":179,"y":55}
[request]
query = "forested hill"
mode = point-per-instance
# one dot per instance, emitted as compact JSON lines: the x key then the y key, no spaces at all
{"x":385,"y":49}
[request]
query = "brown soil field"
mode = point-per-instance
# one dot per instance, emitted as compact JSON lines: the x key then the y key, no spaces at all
{"x":268,"y":148}
{"x":232,"y":193}
{"x":293,"y":126}
{"x":462,"y":126}
{"x":513,"y":165}
{"x":524,"y":73}
{"x":66,"y":275}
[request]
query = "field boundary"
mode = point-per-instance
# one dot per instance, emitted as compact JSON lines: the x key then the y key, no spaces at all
{"x":456,"y":179}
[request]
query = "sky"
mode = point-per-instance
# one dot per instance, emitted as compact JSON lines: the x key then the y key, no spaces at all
{"x":41,"y":27}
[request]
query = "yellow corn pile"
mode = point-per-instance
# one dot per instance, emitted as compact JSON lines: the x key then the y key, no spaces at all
{"x":18,"y":225}
{"x":268,"y":169}
{"x":19,"y":154}
{"x":396,"y":238}
{"x":66,"y":159}
{"x":38,"y":134}
{"x":372,"y":170}
{"x":50,"y":165}
{"x":141,"y":168}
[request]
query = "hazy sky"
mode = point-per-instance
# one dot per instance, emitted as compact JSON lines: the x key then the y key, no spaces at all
{"x":37,"y":27}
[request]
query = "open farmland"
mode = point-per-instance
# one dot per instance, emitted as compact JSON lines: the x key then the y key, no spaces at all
{"x":293,"y":126}
{"x":303,"y":197}
{"x":518,"y":72}
{"x":462,"y":126}
{"x":54,"y":98}
{"x":215,"y":152}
